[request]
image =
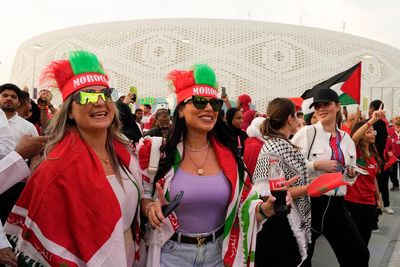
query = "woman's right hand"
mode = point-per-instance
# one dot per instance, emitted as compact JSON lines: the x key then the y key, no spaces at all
{"x":154,"y":213}
{"x":377,"y":115}
{"x":326,"y":165}
{"x":268,"y":206}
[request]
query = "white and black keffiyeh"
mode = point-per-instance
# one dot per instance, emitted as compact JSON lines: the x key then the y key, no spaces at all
{"x":292,"y":163}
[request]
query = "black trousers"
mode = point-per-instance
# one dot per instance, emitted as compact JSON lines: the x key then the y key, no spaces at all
{"x":393,"y":175}
{"x":276,"y":245}
{"x":330,"y":218}
{"x":383,"y":184}
{"x":364,"y":216}
{"x":8,"y":200}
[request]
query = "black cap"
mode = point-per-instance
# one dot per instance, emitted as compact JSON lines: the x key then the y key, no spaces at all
{"x":325,"y":96}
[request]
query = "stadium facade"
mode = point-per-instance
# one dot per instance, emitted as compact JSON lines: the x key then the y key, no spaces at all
{"x":263,"y":59}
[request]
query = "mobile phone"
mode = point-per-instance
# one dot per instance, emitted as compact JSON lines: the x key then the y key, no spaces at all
{"x":167,"y":209}
{"x":223,"y":91}
{"x":133,"y":91}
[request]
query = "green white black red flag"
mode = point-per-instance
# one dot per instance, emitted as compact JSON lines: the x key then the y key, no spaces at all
{"x":347,"y":85}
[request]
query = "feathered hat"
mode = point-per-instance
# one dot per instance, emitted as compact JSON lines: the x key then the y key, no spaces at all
{"x":200,"y":80}
{"x":80,"y":70}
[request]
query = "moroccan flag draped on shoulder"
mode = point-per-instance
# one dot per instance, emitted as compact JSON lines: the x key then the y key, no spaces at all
{"x":346,"y":84}
{"x":68,"y":213}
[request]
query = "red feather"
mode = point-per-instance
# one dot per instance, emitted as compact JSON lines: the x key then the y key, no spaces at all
{"x":181,"y":79}
{"x":56,"y":74}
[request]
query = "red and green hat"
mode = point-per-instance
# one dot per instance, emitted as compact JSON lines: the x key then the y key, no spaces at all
{"x":200,"y":80}
{"x":81,"y":69}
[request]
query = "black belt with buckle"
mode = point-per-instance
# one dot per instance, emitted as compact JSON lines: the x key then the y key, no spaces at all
{"x":197,"y":240}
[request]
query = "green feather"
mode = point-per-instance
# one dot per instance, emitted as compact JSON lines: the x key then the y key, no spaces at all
{"x":204,"y":74}
{"x":83,"y":61}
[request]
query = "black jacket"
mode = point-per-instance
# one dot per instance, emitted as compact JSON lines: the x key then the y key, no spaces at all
{"x":129,"y":127}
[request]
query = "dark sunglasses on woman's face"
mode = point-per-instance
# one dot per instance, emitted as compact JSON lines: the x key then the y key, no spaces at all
{"x":321,"y":104}
{"x":91,"y":96}
{"x":201,"y":102}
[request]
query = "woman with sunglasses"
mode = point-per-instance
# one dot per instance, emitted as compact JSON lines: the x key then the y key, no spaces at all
{"x":283,"y":240}
{"x":234,"y":119}
{"x":328,"y":149}
{"x":363,"y":197}
{"x":80,"y":206}
{"x":219,"y":215}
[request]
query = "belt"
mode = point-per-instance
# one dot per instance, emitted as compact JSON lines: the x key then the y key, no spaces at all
{"x":197,"y":240}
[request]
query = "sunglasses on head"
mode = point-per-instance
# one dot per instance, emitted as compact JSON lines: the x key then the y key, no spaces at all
{"x":91,"y":96}
{"x":201,"y":102}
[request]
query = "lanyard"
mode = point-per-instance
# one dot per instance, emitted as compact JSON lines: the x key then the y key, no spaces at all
{"x":337,"y":151}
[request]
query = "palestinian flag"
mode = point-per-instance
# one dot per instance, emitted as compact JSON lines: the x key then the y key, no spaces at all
{"x":346,"y":84}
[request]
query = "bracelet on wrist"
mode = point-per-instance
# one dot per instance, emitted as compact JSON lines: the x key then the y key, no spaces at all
{"x":369,"y":124}
{"x":260,"y":211}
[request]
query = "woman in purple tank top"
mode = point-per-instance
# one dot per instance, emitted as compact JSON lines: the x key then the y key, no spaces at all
{"x":219,"y":216}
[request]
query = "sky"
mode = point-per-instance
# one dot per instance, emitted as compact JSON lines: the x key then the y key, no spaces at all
{"x":21,"y":20}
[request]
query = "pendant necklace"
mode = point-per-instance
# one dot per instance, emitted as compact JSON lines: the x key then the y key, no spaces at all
{"x":106,"y":161}
{"x":200,"y":170}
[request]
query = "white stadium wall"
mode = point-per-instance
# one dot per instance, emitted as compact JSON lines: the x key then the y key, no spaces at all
{"x":263,"y":59}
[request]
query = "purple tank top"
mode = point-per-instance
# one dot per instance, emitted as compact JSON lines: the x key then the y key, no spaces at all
{"x":205,"y":202}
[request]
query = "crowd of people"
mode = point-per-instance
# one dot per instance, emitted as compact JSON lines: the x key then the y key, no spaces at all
{"x":99,"y":183}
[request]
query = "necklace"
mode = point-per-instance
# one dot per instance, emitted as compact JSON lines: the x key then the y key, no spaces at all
{"x":200,"y":170}
{"x":198,"y":149}
{"x":105,"y":161}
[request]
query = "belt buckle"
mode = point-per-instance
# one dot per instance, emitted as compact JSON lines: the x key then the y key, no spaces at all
{"x":200,"y":241}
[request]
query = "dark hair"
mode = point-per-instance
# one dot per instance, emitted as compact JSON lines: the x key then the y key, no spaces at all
{"x":147,"y":106}
{"x":35,"y":117}
{"x":138,"y":109}
{"x":308,"y":117}
{"x":278,"y":111}
{"x":375,"y":104}
{"x":364,"y":149}
{"x":300,"y":115}
{"x":24,"y":97}
{"x":12,"y":87}
{"x":179,"y":132}
{"x":230,"y":114}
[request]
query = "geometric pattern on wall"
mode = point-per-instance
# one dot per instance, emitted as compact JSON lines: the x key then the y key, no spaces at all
{"x":263,"y":59}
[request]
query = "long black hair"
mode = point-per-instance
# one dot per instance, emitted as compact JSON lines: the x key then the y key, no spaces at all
{"x":179,"y":133}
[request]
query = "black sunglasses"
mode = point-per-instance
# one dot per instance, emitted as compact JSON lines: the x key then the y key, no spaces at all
{"x":201,"y":102}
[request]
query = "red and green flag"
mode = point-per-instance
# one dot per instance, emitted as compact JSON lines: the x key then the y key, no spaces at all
{"x":346,"y":84}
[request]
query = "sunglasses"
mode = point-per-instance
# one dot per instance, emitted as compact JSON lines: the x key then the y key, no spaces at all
{"x":91,"y":96}
{"x":201,"y":102}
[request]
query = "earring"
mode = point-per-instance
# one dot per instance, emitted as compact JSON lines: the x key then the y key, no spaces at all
{"x":180,"y":115}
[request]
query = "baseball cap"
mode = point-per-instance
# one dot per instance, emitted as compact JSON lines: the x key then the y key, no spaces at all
{"x":325,"y":96}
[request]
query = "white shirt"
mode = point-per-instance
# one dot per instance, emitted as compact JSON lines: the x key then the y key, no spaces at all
{"x":12,"y":170}
{"x":321,"y":150}
{"x":20,"y":127}
{"x":128,"y":198}
{"x":6,"y":142}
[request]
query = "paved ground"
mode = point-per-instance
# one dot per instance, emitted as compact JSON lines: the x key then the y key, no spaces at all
{"x":384,"y":245}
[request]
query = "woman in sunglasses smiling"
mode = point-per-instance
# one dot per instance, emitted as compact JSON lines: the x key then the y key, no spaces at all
{"x":80,"y":207}
{"x":217,"y":219}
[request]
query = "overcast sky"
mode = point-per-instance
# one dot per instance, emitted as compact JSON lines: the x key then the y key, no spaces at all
{"x":22,"y":19}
